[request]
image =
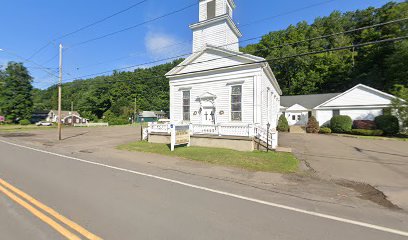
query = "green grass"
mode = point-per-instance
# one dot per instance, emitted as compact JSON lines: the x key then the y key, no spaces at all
{"x":254,"y":161}
{"x":16,"y":127}
{"x":399,"y":138}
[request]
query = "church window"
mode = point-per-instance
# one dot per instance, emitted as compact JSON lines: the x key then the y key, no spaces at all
{"x":186,"y":105}
{"x":236,"y":103}
{"x":211,"y":9}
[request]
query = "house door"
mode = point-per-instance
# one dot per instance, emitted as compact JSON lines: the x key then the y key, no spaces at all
{"x":208,"y":116}
{"x":297,"y":119}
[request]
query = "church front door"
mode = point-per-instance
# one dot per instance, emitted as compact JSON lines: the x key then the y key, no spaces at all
{"x":208,"y":116}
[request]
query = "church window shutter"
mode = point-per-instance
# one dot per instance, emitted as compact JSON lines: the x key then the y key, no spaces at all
{"x":211,"y":9}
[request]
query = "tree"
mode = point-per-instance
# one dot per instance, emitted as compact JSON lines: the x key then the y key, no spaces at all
{"x":17,"y":101}
{"x":283,"y":125}
{"x":400,"y":104}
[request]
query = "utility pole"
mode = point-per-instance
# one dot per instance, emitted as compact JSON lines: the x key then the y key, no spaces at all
{"x":60,"y":93}
{"x":135,"y":114}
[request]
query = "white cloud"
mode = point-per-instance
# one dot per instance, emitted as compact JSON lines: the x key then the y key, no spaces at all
{"x":162,"y":45}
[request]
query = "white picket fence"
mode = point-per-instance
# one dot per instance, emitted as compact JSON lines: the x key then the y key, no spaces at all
{"x":91,"y":125}
{"x":241,"y":130}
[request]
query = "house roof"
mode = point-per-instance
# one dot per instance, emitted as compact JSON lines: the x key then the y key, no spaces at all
{"x":307,"y":101}
{"x":147,"y":114}
{"x":66,"y":113}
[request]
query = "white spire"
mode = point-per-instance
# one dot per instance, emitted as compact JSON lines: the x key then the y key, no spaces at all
{"x":215,"y":26}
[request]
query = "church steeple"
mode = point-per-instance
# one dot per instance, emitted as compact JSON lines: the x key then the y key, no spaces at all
{"x":215,"y":26}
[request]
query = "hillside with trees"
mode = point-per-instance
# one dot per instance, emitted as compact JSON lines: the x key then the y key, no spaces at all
{"x":381,"y":66}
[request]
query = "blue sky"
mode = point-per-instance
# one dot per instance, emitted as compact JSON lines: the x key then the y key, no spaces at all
{"x":28,"y":25}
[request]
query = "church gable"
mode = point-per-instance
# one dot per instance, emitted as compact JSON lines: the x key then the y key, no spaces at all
{"x":360,"y":95}
{"x":212,"y":58}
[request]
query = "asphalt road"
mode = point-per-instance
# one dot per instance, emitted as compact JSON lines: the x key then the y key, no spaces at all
{"x":116,"y":203}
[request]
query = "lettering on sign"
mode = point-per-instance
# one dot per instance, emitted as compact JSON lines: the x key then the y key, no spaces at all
{"x":180,"y":134}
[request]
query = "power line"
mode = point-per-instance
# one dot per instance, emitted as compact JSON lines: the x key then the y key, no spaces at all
{"x":134,"y":26}
{"x":267,"y":60}
{"x":87,"y":26}
{"x":245,"y":25}
{"x":287,"y":13}
{"x":239,"y":54}
{"x":45,"y":69}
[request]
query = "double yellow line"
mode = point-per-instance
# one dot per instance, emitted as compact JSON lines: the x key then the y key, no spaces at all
{"x":45,"y":213}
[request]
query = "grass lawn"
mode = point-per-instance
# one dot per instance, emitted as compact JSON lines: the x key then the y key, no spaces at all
{"x":255,"y":161}
{"x":400,"y":138}
{"x":16,"y":127}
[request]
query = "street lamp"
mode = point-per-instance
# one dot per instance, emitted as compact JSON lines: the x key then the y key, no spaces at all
{"x":268,"y":125}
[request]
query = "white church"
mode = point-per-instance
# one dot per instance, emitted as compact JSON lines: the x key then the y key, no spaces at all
{"x":218,"y":85}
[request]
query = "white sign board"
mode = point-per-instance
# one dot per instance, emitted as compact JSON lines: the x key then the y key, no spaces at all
{"x":180,"y":134}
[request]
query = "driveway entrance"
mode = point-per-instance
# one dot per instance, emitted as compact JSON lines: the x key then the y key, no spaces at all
{"x":380,"y":163}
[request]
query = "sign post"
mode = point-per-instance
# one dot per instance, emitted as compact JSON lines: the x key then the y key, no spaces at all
{"x":180,"y":134}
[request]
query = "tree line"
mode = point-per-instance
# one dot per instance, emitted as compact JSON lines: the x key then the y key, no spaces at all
{"x":383,"y":66}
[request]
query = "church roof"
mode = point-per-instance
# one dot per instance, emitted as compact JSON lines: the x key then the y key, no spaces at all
{"x":308,"y":101}
{"x":244,"y":58}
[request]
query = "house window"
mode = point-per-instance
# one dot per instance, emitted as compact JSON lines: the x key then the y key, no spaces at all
{"x":211,"y":9}
{"x":299,"y":117}
{"x":309,"y":114}
{"x":336,"y":112}
{"x":186,"y":105}
{"x":236,"y":103}
{"x":293,"y":117}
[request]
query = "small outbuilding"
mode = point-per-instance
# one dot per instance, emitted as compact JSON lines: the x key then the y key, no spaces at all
{"x":360,"y":103}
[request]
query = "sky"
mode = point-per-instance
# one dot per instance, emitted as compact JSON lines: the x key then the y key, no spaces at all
{"x":28,"y":25}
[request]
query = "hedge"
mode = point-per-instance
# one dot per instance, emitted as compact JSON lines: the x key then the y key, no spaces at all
{"x":388,"y":123}
{"x":325,"y":130}
{"x":341,"y":124}
{"x":367,"y":132}
{"x":283,"y":125}
{"x":364,"y":124}
{"x":312,"y":125}
{"x":25,"y":122}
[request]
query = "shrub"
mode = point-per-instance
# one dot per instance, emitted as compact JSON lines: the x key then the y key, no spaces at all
{"x":367,"y":132}
{"x":25,"y":122}
{"x":283,"y":125}
{"x":312,"y":125}
{"x":325,"y":130}
{"x":341,"y":124}
{"x":364,"y":124}
{"x":388,"y":123}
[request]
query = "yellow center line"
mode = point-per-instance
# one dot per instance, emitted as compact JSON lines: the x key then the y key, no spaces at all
{"x":69,"y":235}
{"x":48,"y":210}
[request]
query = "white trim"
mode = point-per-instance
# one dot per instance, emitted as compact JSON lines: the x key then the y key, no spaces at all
{"x":351,"y":89}
{"x":215,"y":191}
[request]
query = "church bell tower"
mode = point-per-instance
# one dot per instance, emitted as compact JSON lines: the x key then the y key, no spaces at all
{"x":216,"y":26}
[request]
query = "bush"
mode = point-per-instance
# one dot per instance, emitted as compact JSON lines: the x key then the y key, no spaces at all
{"x":341,"y":124}
{"x":325,"y":130}
{"x":388,"y":123}
{"x":312,"y":125}
{"x":118,"y":121}
{"x":367,"y":132}
{"x":364,"y":124}
{"x":283,"y":125}
{"x":25,"y":122}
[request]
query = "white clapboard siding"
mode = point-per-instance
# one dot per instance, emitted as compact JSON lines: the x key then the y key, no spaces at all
{"x":359,"y":96}
{"x":219,"y":85}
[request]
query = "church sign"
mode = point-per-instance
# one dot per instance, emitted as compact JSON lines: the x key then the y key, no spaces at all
{"x":180,"y":134}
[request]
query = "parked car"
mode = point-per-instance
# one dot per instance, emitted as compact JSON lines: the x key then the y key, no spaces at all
{"x":41,"y":123}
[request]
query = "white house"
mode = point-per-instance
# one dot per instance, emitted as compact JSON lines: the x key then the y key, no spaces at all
{"x":218,"y":84}
{"x":360,"y":103}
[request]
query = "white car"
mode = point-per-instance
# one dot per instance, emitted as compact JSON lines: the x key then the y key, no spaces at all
{"x":40,"y":123}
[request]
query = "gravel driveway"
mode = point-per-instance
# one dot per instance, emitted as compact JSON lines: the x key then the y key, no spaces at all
{"x":381,"y":163}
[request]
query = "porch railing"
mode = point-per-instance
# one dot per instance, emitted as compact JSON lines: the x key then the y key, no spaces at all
{"x":241,"y":130}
